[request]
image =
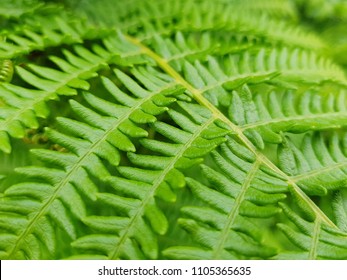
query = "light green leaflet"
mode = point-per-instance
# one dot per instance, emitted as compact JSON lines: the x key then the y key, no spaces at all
{"x":170,"y":130}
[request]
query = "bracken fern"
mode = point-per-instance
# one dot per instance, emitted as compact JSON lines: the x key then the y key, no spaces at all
{"x":173,"y":130}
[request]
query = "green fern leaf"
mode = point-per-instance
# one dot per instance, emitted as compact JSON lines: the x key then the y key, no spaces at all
{"x":6,"y":71}
{"x":339,"y":210}
{"x":158,"y":176}
{"x":172,"y":129}
{"x":271,"y":112}
{"x":25,"y":105}
{"x":66,"y":177}
{"x":236,"y":191}
{"x":44,"y":36}
{"x":319,"y":166}
{"x":313,"y":239}
{"x":187,"y":16}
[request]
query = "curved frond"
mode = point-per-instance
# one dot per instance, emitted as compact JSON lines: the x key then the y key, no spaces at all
{"x":56,"y":193}
{"x":18,"y":8}
{"x":312,"y":239}
{"x":340,"y":209}
{"x":269,"y":113}
{"x":295,"y":65}
{"x":131,"y":233}
{"x":275,"y":8}
{"x":318,"y":165}
{"x":180,"y":129}
{"x":237,"y":190}
{"x":57,"y":33}
{"x":25,"y":105}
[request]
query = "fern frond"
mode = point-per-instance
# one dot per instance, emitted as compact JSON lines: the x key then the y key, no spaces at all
{"x":131,"y":233}
{"x":217,"y":76}
{"x":295,"y":65}
{"x":313,"y":239}
{"x":58,"y":200}
{"x":197,"y":94}
{"x":321,"y":11}
{"x":200,"y":45}
{"x":275,"y":8}
{"x":57,"y":33}
{"x":237,"y":190}
{"x":164,"y":18}
{"x":317,"y":165}
{"x":268,"y":113}
{"x":340,"y":209}
{"x":24,"y":105}
{"x":174,"y":129}
{"x":278,"y":66}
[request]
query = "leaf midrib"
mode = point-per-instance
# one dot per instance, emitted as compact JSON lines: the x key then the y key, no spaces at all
{"x":318,"y":171}
{"x":234,"y":211}
{"x":155,"y":185}
{"x":328,"y":115}
{"x":46,"y":95}
{"x":78,"y":165}
{"x":315,"y":240}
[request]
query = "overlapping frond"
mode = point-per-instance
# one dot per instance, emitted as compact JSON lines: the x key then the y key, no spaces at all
{"x":238,"y":189}
{"x":164,"y":18}
{"x":215,"y":75}
{"x":192,"y":84}
{"x":339,"y":208}
{"x":200,"y":46}
{"x":132,"y":232}
{"x":295,"y":65}
{"x":174,"y":129}
{"x":215,"y":80}
{"x":23,"y":105}
{"x":312,"y":239}
{"x":268,"y":113}
{"x":317,"y":164}
{"x":53,"y":33}
{"x":321,"y":10}
{"x":56,"y":193}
